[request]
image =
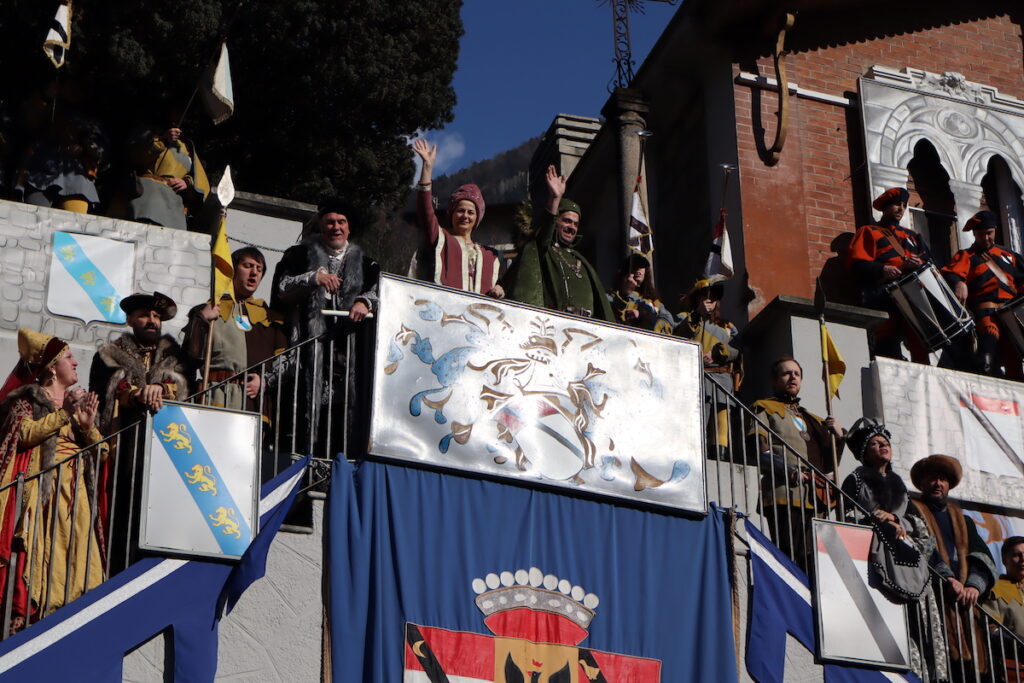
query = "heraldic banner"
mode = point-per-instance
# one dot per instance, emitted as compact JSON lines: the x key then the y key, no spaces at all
{"x":439,"y":577}
{"x":975,"y":419}
{"x":466,"y":382}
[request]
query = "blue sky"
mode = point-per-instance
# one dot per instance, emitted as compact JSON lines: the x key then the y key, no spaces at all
{"x":522,"y":62}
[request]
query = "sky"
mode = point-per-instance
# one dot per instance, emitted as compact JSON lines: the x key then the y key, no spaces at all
{"x":522,"y":62}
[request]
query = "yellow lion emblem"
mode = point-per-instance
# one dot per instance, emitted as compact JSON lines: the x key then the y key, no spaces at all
{"x":227,"y":520}
{"x":178,"y":435}
{"x":199,"y":474}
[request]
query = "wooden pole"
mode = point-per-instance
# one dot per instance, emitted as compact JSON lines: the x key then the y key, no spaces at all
{"x":828,"y":411}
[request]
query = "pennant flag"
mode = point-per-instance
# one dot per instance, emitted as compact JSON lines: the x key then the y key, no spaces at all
{"x":442,"y":578}
{"x":781,"y":604}
{"x":218,"y":95}
{"x":833,"y":360}
{"x":93,"y":633}
{"x":640,"y":238}
{"x":58,"y":38}
{"x":720,"y":259}
{"x":221,"y":280}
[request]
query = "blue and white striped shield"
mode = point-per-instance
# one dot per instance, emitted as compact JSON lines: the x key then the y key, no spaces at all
{"x":200,"y":481}
{"x":89,"y":276}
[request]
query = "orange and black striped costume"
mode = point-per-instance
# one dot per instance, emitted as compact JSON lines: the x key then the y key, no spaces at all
{"x":994,"y":277}
{"x":871,"y":250}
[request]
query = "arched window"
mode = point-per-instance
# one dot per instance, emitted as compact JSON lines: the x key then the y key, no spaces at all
{"x":933,"y":214}
{"x":1003,"y":197}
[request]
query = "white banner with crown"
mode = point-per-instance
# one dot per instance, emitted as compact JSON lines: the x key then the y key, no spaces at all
{"x":466,"y":382}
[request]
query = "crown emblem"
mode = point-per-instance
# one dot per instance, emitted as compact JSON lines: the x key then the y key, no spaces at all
{"x":513,"y":603}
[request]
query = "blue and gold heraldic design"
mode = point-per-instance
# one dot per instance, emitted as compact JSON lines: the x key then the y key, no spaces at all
{"x":438,"y":578}
{"x":89,"y":276}
{"x":200,"y":481}
{"x":466,"y":382}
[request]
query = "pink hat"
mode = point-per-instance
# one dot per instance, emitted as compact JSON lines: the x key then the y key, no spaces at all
{"x":471,"y":193}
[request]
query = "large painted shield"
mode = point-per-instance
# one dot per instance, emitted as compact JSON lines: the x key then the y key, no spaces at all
{"x":466,"y":382}
{"x":200,"y":481}
{"x":89,"y":276}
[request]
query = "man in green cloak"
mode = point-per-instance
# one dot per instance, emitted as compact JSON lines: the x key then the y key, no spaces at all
{"x":550,"y":272}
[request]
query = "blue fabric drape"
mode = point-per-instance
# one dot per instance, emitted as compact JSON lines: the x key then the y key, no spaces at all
{"x":406,"y":545}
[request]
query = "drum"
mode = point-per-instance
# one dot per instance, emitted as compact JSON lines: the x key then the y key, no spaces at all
{"x":930,"y":307}
{"x":1011,"y":319}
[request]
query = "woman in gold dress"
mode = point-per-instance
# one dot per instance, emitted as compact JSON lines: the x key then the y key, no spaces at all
{"x":47,"y":481}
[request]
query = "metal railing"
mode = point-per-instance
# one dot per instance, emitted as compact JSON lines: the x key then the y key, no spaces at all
{"x":75,"y":522}
{"x":738,"y":439}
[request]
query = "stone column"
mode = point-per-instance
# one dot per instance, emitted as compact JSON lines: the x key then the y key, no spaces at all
{"x":625,"y":110}
{"x":968,"y":202}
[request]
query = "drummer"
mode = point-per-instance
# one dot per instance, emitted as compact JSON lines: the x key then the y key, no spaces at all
{"x":985,"y":277}
{"x":884,"y":252}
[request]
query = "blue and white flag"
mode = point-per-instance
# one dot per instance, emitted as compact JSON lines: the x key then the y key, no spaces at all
{"x":88,"y":638}
{"x":200,"y":481}
{"x":781,"y":605}
{"x":436,"y":577}
{"x":89,"y":276}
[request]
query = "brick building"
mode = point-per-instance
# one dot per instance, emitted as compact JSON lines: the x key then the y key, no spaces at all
{"x":879,"y":94}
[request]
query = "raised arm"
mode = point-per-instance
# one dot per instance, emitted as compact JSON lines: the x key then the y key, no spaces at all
{"x":425,"y":217}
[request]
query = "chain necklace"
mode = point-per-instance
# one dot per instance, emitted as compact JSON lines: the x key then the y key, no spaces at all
{"x":577,"y":267}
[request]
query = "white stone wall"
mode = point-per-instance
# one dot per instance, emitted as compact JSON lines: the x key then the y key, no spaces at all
{"x":275,"y":632}
{"x":174,"y":262}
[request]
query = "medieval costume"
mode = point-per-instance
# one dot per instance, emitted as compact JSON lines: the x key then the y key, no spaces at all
{"x":960,"y":554}
{"x":1006,"y":602}
{"x":120,"y":369}
{"x":551,"y":275}
{"x":994,"y":276}
{"x":875,"y":246}
{"x":636,"y":302}
{"x":296,"y":292}
{"x":451,"y":260}
{"x":225,"y":384}
{"x":156,"y":161}
{"x":60,"y":169}
{"x":58,"y":551}
{"x":791,"y":495}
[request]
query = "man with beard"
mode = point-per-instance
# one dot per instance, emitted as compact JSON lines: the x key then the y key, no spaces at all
{"x":550,"y":272}
{"x":960,"y":557}
{"x":136,"y":372}
{"x":985,"y":277}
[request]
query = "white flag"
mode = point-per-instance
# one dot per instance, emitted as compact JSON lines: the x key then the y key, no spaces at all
{"x":720,"y":259}
{"x":218,"y":97}
{"x":58,"y":39}
{"x":640,"y":238}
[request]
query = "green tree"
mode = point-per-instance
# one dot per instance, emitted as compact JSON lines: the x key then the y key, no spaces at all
{"x":326,"y":92}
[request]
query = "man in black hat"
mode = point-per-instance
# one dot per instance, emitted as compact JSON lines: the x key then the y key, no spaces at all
{"x":881,"y":253}
{"x":136,"y":372}
{"x":326,"y":271}
{"x":985,"y":277}
{"x":141,"y":368}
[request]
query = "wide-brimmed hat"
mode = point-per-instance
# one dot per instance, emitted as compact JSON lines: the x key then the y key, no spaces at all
{"x":712,"y":282}
{"x":942,"y":464}
{"x":161,"y":303}
{"x":894,"y":195}
{"x":983,"y":220}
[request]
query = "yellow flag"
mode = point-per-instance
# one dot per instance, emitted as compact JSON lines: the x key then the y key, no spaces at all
{"x":222,"y":280}
{"x":831,"y":357}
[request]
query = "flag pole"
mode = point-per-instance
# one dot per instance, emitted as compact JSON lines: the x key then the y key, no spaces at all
{"x":727,"y":172}
{"x":222,"y":36}
{"x":225,"y":193}
{"x":826,"y":378}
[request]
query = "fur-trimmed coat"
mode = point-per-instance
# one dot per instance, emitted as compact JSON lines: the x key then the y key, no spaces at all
{"x":120,"y":366}
{"x":302,"y":303}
